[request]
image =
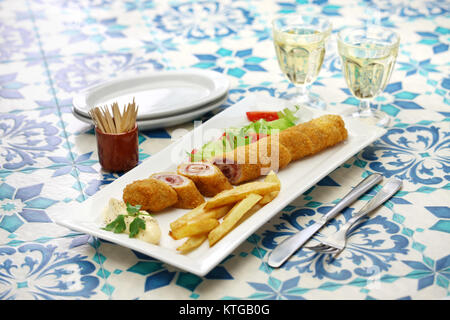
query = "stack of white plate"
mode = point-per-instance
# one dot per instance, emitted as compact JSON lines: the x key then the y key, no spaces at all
{"x":164,"y":98}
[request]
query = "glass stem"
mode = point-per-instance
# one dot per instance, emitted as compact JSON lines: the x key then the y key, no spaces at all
{"x":301,"y":90}
{"x":364,"y":106}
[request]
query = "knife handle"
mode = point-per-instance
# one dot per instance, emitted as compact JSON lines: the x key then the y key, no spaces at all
{"x":353,"y":195}
{"x":388,"y":190}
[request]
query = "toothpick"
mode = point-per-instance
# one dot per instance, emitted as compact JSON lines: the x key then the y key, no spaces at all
{"x":114,"y":121}
{"x":117,"y":117}
{"x":112,"y":127}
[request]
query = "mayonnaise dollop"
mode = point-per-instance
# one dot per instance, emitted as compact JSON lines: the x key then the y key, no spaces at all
{"x":152,"y":232}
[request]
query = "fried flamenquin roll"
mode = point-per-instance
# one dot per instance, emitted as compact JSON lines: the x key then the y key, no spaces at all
{"x":313,"y":136}
{"x":206,"y":176}
{"x":249,"y":162}
{"x":297,"y":142}
{"x":290,"y":144}
{"x":188,"y":195}
{"x":152,"y":194}
{"x":334,"y":128}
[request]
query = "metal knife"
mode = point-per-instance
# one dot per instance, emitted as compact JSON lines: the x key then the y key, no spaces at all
{"x":286,"y":248}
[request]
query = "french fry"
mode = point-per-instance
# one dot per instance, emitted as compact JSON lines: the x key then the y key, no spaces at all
{"x":215,"y":213}
{"x":194,"y":228}
{"x":233,"y":217}
{"x":271,"y":177}
{"x":255,"y":208}
{"x":232,"y":206}
{"x":249,"y":213}
{"x":200,"y":213}
{"x":240,"y":192}
{"x":192,"y":243}
{"x":181,"y":221}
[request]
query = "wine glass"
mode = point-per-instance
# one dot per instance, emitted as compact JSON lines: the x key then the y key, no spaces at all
{"x":300,"y":48}
{"x":368,"y":57}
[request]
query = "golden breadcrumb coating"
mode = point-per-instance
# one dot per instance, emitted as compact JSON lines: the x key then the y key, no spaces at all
{"x":153,"y":195}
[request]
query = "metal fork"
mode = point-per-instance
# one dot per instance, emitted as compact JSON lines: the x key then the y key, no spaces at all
{"x":335,"y":243}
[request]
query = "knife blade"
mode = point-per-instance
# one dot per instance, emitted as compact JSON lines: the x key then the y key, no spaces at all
{"x":286,"y":248}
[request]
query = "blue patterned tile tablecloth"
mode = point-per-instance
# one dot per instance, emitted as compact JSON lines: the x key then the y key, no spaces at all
{"x":52,"y":49}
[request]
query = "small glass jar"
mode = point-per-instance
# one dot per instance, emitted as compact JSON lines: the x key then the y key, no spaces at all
{"x":118,"y":152}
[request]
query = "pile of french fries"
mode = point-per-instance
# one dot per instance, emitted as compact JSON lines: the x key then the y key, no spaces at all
{"x":215,"y":218}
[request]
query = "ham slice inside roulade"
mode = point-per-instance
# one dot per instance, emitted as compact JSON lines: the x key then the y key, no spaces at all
{"x":189,"y":196}
{"x":206,"y":176}
{"x":249,"y":162}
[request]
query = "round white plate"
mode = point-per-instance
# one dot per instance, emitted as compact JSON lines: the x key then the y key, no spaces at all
{"x":165,"y":121}
{"x":158,"y":94}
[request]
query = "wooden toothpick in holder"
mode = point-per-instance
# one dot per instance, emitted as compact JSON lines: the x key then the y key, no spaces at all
{"x":117,"y":137}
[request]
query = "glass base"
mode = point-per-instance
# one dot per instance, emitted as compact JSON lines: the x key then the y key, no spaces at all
{"x":309,"y":100}
{"x":372,"y":117}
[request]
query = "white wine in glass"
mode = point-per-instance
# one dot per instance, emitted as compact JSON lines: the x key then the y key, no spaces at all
{"x":368,"y":59}
{"x":300,"y":43}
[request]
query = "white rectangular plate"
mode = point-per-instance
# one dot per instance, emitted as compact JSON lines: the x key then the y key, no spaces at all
{"x":296,"y":178}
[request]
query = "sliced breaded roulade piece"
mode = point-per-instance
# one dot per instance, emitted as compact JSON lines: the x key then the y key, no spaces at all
{"x":206,"y":176}
{"x":152,"y":194}
{"x":188,"y":195}
{"x":249,"y":162}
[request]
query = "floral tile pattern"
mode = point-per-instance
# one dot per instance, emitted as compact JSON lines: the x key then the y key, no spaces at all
{"x":50,"y":50}
{"x":50,"y":269}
